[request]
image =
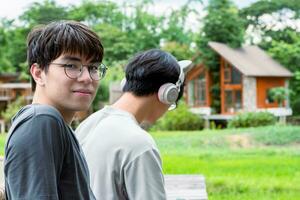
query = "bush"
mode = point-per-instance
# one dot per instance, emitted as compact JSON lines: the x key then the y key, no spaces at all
{"x":296,"y":107}
{"x":252,"y":119}
{"x":179,"y":119}
{"x":12,"y":109}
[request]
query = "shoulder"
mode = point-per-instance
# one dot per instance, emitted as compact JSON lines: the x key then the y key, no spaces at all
{"x":45,"y":110}
{"x":36,"y":110}
{"x":35,"y":122}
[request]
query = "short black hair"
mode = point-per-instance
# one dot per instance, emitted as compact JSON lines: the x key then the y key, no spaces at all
{"x":46,"y":43}
{"x":149,"y":70}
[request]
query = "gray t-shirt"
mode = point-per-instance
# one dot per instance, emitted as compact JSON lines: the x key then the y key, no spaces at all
{"x":43,"y":159}
{"x":123,"y":159}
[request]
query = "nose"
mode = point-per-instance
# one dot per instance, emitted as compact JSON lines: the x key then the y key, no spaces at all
{"x":85,"y":75}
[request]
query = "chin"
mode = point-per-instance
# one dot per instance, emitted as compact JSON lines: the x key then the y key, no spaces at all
{"x":81,"y":107}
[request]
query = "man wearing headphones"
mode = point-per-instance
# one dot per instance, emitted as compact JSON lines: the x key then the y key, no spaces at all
{"x":123,"y":159}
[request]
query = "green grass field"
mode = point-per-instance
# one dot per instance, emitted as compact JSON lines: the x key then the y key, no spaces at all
{"x":2,"y":144}
{"x":256,"y":163}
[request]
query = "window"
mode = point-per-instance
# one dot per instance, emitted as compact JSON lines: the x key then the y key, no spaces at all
{"x":197,"y":91}
{"x":236,"y":76}
{"x":233,"y":101}
{"x":227,"y":73}
{"x":191,"y":93}
{"x":231,"y":75}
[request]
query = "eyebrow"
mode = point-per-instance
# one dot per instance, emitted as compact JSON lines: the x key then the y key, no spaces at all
{"x":73,"y":58}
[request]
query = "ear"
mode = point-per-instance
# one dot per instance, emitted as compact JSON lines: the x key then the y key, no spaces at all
{"x":36,"y":73}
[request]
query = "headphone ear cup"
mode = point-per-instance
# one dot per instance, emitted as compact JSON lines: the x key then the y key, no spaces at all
{"x":123,"y":83}
{"x":168,"y":93}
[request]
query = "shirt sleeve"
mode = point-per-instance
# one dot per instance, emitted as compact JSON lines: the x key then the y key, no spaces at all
{"x":144,"y":178}
{"x":34,"y":159}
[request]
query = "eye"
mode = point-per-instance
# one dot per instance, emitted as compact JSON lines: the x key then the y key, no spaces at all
{"x":93,"y":68}
{"x":71,"y":66}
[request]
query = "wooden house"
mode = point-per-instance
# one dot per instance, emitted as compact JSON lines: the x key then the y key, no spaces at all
{"x":247,"y":75}
{"x":9,"y":92}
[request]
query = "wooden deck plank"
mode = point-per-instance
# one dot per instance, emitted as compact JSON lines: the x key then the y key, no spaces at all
{"x":185,"y":187}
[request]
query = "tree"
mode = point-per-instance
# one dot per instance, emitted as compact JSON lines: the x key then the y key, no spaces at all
{"x":43,"y":13}
{"x":221,"y":24}
{"x":176,"y":29}
{"x":99,"y":12}
{"x":5,"y":64}
{"x":180,"y":51}
{"x":143,"y":28}
{"x":278,"y":10}
{"x":117,"y":45}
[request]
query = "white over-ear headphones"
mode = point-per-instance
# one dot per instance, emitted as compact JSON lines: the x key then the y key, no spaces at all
{"x":168,"y":92}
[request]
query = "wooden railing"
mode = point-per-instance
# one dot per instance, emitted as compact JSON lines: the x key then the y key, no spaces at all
{"x":6,"y":94}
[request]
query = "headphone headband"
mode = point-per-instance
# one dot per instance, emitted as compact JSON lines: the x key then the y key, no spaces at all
{"x":182,"y":64}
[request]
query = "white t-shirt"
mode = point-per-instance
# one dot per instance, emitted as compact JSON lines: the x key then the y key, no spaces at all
{"x":123,"y":159}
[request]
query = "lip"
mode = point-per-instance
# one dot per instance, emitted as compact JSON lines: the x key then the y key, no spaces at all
{"x":84,"y":92}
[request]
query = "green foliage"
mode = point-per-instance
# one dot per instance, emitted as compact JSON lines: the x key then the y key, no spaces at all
{"x":12,"y":109}
{"x":279,"y":94}
{"x":143,"y":26}
{"x":5,"y":64}
{"x":180,"y":51}
{"x":116,"y":43}
{"x":179,"y":119}
{"x":98,"y":12}
{"x":177,"y":29}
{"x":43,"y":13}
{"x":262,"y":7}
{"x":252,"y":119}
{"x":296,"y":107}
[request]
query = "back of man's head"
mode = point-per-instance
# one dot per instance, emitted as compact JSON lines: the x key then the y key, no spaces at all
{"x":46,"y":43}
{"x":147,"y":71}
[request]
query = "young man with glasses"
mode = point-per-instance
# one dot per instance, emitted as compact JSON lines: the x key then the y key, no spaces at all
{"x":123,"y":159}
{"x":43,"y":159}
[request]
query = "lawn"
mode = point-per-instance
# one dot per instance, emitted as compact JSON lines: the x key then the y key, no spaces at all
{"x":256,"y":163}
{"x":2,"y":144}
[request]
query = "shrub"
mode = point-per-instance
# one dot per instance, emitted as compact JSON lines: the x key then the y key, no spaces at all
{"x":252,"y":119}
{"x":179,"y":119}
{"x":12,"y":109}
{"x":296,"y":107}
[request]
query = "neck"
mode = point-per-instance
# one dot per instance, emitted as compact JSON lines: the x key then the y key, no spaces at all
{"x":40,"y":99}
{"x":140,"y":107}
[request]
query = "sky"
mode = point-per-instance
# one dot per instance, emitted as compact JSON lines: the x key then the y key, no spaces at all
{"x":11,"y":9}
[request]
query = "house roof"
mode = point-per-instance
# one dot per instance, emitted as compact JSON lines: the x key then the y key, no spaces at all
{"x":251,"y":61}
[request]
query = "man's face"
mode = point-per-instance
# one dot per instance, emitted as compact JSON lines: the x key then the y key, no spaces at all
{"x":64,"y":93}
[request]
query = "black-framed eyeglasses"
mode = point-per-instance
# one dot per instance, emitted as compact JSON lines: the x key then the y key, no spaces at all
{"x":74,"y":70}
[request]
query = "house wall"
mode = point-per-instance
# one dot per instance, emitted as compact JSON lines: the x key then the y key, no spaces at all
{"x":249,"y":93}
{"x":265,"y":83}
